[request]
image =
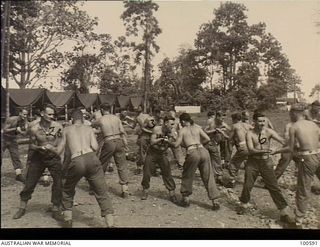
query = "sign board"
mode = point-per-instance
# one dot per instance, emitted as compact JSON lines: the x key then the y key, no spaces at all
{"x":188,"y":109}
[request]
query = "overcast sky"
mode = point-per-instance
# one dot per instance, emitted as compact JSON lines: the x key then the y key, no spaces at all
{"x":291,"y":22}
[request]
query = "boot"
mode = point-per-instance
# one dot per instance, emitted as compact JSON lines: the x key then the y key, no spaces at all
{"x":20,"y":178}
{"x":19,"y":213}
{"x":185,"y":202}
{"x":144,"y":195}
{"x":172,"y":197}
{"x":109,"y":220}
{"x":125,"y":192}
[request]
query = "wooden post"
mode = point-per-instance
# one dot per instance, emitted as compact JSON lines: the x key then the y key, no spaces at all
{"x":66,"y":112}
{"x":7,"y":61}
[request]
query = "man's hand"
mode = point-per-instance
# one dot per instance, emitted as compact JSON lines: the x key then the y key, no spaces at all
{"x":49,"y":147}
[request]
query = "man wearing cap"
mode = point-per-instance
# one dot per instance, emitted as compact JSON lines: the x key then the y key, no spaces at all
{"x":115,"y":143}
{"x":13,"y":126}
{"x":190,"y":137}
{"x":307,"y":135}
{"x":260,"y":162}
{"x":157,"y":155}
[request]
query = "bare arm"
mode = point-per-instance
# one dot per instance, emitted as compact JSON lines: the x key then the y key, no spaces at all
{"x":292,"y":139}
{"x":34,"y":143}
{"x":61,"y":145}
{"x":178,"y":142}
{"x":277,"y":137}
{"x":204,"y":136}
{"x":270,"y":124}
{"x":93,"y":141}
{"x":6,"y":128}
{"x":154,"y":140}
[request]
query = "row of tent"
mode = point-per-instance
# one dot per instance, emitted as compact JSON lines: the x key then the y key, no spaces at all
{"x":67,"y":99}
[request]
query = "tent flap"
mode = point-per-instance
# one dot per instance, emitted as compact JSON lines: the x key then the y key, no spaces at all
{"x":136,"y":101}
{"x":87,"y":99}
{"x":26,"y":97}
{"x":107,"y":98}
{"x":123,"y":101}
{"x":59,"y":99}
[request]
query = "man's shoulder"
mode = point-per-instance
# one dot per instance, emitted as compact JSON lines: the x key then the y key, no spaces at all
{"x":157,"y":129}
{"x":12,"y":119}
{"x":56,"y":124}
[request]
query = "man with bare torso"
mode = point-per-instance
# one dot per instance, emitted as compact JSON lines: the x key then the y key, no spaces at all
{"x":13,"y":126}
{"x":115,"y":143}
{"x":157,"y":155}
{"x":45,"y":137}
{"x":314,"y":113}
{"x":82,"y":143}
{"x":190,"y":137}
{"x":307,"y":135}
{"x":238,"y":137}
{"x":218,"y":146}
{"x":260,"y":162}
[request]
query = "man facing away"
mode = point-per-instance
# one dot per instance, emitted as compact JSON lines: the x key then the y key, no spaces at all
{"x":45,"y":137}
{"x":260,"y":162}
{"x":157,"y":155}
{"x":14,"y":126}
{"x":307,"y":135}
{"x":190,"y":137}
{"x":82,"y":143}
{"x":238,"y":137}
{"x":115,"y":143}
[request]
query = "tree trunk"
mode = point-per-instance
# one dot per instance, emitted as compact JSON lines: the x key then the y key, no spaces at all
{"x":23,"y":72}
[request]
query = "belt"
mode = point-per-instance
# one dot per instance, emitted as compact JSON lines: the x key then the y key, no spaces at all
{"x":76,"y":154}
{"x":309,"y":152}
{"x":194,"y":146}
{"x":242,"y":143}
{"x":112,"y":137}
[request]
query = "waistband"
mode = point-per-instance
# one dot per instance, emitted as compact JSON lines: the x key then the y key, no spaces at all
{"x":194,"y":146}
{"x":260,"y":157}
{"x":309,"y":152}
{"x":112,"y":137}
{"x":242,"y":143}
{"x":79,"y":153}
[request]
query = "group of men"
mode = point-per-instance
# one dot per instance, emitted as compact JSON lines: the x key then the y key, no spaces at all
{"x":73,"y":152}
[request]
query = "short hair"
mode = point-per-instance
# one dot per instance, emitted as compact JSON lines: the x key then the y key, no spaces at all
{"x":220,"y":113}
{"x":37,"y":112}
{"x":210,"y":113}
{"x":105,"y":107}
{"x":186,"y":117}
{"x":77,"y":114}
{"x":257,"y":114}
{"x":236,"y":116}
{"x":167,"y":118}
{"x":157,"y":110}
{"x":23,"y":109}
{"x":45,"y":106}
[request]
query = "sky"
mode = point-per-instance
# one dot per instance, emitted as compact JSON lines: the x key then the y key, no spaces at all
{"x":292,"y":23}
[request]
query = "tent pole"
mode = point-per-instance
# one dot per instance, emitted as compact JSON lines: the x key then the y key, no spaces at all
{"x":91,"y":108}
{"x":31,"y":111}
{"x":66,"y":112}
{"x":7,"y":61}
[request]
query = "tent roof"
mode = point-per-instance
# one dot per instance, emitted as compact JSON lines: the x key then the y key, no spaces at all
{"x":123,"y":101}
{"x":107,"y":98}
{"x":59,"y":99}
{"x":136,"y":101}
{"x":87,"y":99}
{"x":26,"y":97}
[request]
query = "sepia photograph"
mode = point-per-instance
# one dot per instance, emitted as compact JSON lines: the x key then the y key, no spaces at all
{"x":192,"y":114}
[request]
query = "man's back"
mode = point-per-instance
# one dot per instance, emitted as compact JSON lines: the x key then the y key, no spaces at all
{"x":79,"y":138}
{"x":191,"y":135}
{"x":307,"y":134}
{"x":110,"y":125}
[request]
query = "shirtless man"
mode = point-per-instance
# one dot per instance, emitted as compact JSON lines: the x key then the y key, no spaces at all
{"x":115,"y":143}
{"x":314,"y":113}
{"x":157,"y":155}
{"x":268,"y":123}
{"x":260,"y":162}
{"x":217,"y":131}
{"x":307,"y":135}
{"x":190,"y":137}
{"x":245,"y":117}
{"x":238,"y":137}
{"x":177,"y":152}
{"x":14,"y":126}
{"x":82,"y":143}
{"x":45,"y":136}
{"x":143,"y":139}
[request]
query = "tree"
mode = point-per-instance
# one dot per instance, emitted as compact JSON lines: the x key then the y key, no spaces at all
{"x":39,"y":28}
{"x":249,"y":61}
{"x":315,"y":91}
{"x":139,"y":17}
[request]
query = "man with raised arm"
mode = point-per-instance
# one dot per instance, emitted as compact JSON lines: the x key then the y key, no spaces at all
{"x":190,"y":137}
{"x":260,"y":162}
{"x":157,"y":155}
{"x":45,"y":136}
{"x":81,"y":141}
{"x":307,"y":135}
{"x":14,"y":126}
{"x":115,"y":143}
{"x":238,"y":137}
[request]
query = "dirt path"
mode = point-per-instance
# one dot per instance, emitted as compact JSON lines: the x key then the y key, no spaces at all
{"x":157,"y":211}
